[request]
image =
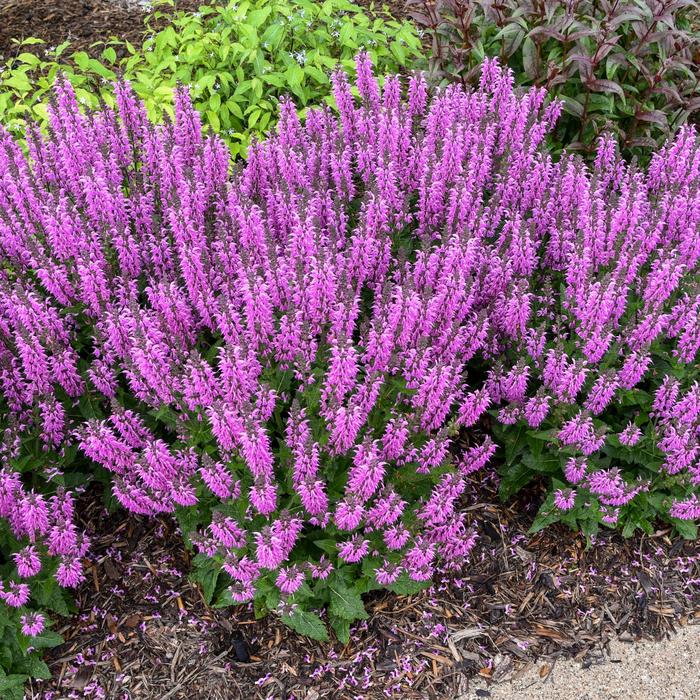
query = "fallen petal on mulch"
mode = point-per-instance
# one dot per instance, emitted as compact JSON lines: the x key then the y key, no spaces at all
{"x":143,"y":630}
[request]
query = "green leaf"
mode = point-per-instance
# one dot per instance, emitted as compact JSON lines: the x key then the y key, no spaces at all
{"x":515,"y":478}
{"x":96,"y":67}
{"x":294,"y":75}
{"x":687,"y":529}
{"x":328,"y":546}
{"x":61,"y":48}
{"x":341,"y":628}
{"x":81,"y":59}
{"x":213,"y":119}
{"x":258,"y":17}
{"x":253,"y":118}
{"x":273,"y":35}
{"x":12,"y":686}
{"x":405,"y":585}
{"x":29,"y":59}
{"x":224,"y":599}
{"x":37,"y":668}
{"x":47,"y":640}
{"x":590,"y":527}
{"x":110,"y":55}
{"x":546,"y":515}
{"x":207,"y":576}
{"x":189,"y":519}
{"x":346,"y":602}
{"x":276,"y":79}
{"x":307,"y":623}
{"x":19,"y":81}
{"x":317,"y":74}
{"x":235,"y":108}
{"x":545,"y":464}
{"x":629,"y":528}
{"x":48,"y":594}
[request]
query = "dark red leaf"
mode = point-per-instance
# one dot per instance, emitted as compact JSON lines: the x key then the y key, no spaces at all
{"x":601,"y":85}
{"x":655,"y":116}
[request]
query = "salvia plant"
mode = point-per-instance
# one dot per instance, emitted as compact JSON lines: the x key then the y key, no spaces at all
{"x":627,"y":66}
{"x":283,"y":353}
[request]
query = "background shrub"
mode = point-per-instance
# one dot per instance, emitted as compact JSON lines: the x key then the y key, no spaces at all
{"x":237,"y":58}
{"x":628,"y":67}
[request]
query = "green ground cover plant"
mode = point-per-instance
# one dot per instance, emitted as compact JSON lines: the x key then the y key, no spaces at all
{"x":238,"y":59}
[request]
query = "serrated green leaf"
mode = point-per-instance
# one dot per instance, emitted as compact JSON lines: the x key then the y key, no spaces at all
{"x":405,"y":585}
{"x":12,"y":686}
{"x":327,"y":545}
{"x":37,"y":668}
{"x":307,"y":623}
{"x":515,"y":478}
{"x":48,"y":594}
{"x":47,"y":640}
{"x":346,"y":602}
{"x":224,"y":599}
{"x":546,"y":515}
{"x":687,"y":529}
{"x":207,"y":577}
{"x":341,"y":628}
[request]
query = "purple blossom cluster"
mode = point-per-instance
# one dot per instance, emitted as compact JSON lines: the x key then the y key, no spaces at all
{"x":295,"y":338}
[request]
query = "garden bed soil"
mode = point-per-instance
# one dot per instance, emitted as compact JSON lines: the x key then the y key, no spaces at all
{"x":143,"y":630}
{"x":82,"y":22}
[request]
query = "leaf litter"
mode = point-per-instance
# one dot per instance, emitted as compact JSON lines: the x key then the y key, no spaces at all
{"x":143,"y":630}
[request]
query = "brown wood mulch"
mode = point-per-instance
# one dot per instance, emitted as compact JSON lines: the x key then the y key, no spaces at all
{"x":142,"y":630}
{"x":82,"y":22}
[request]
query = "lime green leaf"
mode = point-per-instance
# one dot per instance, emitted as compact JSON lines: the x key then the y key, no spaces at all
{"x":213,"y":119}
{"x":258,"y":17}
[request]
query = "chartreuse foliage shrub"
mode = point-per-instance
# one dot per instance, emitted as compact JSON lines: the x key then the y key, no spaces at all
{"x":282,"y":354}
{"x":238,"y":59}
{"x":626,"y":66}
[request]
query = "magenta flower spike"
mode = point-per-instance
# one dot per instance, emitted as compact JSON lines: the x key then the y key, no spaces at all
{"x":294,"y":343}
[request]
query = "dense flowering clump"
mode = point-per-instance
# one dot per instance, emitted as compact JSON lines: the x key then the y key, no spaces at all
{"x":287,"y":352}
